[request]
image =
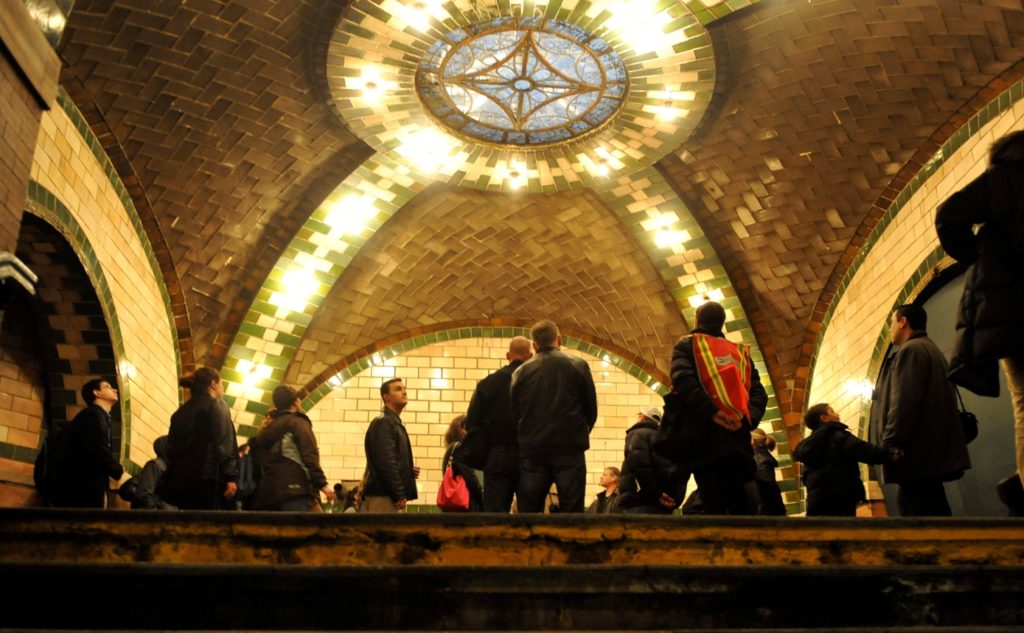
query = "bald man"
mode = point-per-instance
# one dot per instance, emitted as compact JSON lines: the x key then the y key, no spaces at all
{"x":492,"y":442}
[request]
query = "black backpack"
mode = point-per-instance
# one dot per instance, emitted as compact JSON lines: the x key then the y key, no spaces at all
{"x":46,"y":470}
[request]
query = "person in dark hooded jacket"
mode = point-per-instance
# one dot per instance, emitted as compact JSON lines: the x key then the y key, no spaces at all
{"x":649,"y":483}
{"x":141,"y":490}
{"x":830,"y":455}
{"x":988,"y":324}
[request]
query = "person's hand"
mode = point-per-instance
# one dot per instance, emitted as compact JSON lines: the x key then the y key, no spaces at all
{"x":230,"y":489}
{"x":726,"y":422}
{"x":666,"y":501}
{"x":895,"y":454}
{"x":415,"y":472}
{"x":400,"y":504}
{"x":329,"y":493}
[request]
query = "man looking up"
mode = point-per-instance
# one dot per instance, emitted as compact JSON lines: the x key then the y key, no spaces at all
{"x":493,"y":443}
{"x":914,"y":409}
{"x":555,"y":404}
{"x":85,"y":459}
{"x":390,"y":474}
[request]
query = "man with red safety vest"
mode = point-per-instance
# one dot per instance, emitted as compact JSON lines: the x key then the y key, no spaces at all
{"x":722,"y":401}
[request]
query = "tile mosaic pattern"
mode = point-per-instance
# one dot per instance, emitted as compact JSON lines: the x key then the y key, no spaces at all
{"x":680,"y":72}
{"x":94,"y":145}
{"x":999,"y":106}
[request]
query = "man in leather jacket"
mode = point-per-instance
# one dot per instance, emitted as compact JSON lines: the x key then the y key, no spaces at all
{"x":390,"y":473}
{"x":555,"y":403}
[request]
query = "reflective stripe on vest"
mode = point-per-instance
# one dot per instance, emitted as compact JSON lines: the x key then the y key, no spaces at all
{"x":724,"y":371}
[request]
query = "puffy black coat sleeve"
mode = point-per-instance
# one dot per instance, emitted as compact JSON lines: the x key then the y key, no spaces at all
{"x":854,"y":448}
{"x":758,"y":398}
{"x":957,"y":216}
{"x":89,"y":431}
{"x":225,"y":441}
{"x":305,"y":441}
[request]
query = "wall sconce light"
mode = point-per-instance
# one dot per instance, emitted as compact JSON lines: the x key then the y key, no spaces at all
{"x":700,"y":299}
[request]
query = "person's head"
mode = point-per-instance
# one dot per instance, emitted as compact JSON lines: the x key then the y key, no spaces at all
{"x":760,"y":439}
{"x":609,"y":478}
{"x":204,"y":380}
{"x":545,"y":335}
{"x":819,"y":413}
{"x":456,"y":430}
{"x":339,"y":491}
{"x":1007,"y":149}
{"x":711,"y":316}
{"x":100,"y":392}
{"x":519,"y":349}
{"x":285,"y":398}
{"x":907,"y":319}
{"x":160,"y":446}
{"x":652,"y":414}
{"x":394,"y":394}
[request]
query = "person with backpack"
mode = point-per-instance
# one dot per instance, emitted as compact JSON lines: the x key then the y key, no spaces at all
{"x":81,"y":459}
{"x":202,"y":452}
{"x":141,"y":490}
{"x":287,"y":453}
{"x":830,"y":457}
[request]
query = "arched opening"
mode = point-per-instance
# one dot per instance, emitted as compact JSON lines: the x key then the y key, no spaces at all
{"x":50,"y":343}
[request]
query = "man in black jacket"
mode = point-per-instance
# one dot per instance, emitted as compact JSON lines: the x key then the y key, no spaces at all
{"x":648,"y":483}
{"x":492,"y":442}
{"x":555,"y":404}
{"x":718,"y":422}
{"x":85,"y":460}
{"x":390,"y":473}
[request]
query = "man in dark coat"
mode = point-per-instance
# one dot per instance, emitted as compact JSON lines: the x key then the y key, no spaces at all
{"x":716,"y":435}
{"x":555,"y":404}
{"x":492,"y":442}
{"x":991,"y":308}
{"x":286,"y":450}
{"x":914,"y":409}
{"x":390,"y":474}
{"x":85,"y":460}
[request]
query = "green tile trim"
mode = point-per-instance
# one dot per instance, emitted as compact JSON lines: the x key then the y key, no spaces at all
{"x":1005,"y":101}
{"x":317,"y":392}
{"x":80,"y":124}
{"x":43,"y":204}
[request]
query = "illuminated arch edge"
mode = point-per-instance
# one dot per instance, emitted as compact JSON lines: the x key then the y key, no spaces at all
{"x":686,"y":68}
{"x":373,"y":355}
{"x":45,"y":205}
{"x":995,"y":108}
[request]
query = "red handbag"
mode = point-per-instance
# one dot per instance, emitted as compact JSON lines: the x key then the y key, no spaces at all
{"x":453,"y":495}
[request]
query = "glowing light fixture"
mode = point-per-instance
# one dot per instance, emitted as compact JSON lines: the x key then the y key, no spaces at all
{"x":350,"y":215}
{"x":859,"y":388}
{"x":698,"y":300}
{"x":298,"y":286}
{"x":641,"y":25}
{"x":666,"y":238}
{"x":415,"y":14}
{"x":252,"y":373}
{"x":428,"y":149}
{"x":516,"y":174}
{"x":127,"y":369}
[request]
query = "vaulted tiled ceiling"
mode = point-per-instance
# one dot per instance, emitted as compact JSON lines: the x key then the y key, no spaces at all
{"x":220,"y":113}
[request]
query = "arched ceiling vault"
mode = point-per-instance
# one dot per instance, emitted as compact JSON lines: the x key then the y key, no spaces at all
{"x":235,"y":121}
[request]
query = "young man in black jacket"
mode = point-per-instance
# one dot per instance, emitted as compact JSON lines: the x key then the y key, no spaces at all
{"x":390,"y":474}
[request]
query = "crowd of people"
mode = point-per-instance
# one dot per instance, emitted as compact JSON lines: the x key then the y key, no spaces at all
{"x":526,"y":431}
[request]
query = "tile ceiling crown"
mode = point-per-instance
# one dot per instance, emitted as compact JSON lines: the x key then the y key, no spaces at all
{"x":390,"y":71}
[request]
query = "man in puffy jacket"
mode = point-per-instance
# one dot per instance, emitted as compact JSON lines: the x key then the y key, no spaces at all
{"x":648,"y":484}
{"x":555,"y":404}
{"x":286,"y":449}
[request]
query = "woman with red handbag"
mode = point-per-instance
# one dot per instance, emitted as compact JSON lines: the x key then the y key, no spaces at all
{"x":461,"y":487}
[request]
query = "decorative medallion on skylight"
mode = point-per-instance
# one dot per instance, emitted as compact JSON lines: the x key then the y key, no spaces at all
{"x":524,"y":81}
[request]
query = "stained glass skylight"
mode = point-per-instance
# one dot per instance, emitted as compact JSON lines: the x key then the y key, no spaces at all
{"x":525,"y":81}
